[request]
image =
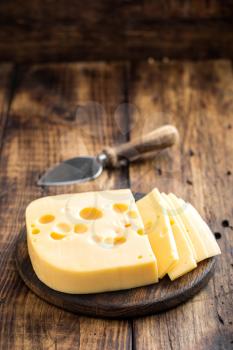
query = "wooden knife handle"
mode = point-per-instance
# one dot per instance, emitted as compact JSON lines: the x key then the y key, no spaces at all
{"x":158,"y":139}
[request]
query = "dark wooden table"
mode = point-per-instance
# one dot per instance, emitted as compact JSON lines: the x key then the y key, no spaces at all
{"x":52,"y":112}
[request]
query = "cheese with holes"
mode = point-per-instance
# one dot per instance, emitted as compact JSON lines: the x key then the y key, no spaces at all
{"x":157,"y":225}
{"x":89,"y":242}
{"x":187,"y":261}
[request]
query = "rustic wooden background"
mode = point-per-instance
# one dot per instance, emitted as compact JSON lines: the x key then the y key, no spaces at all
{"x":47,"y":115}
{"x":57,"y":30}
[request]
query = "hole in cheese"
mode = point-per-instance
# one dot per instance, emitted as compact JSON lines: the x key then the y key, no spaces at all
{"x":132,"y":214}
{"x":35,"y":231}
{"x":80,"y":228}
{"x":120,"y":207}
{"x":172,"y":221}
{"x":45,"y":219}
{"x":119,"y":240}
{"x":56,"y":235}
{"x":91,"y":213}
{"x":148,"y":226}
{"x":139,"y":256}
{"x":140,"y":231}
{"x":63,"y":227}
{"x":127,"y":225}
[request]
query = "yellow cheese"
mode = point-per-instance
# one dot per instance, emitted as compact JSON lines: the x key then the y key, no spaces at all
{"x":191,"y":229}
{"x":181,"y":225}
{"x":157,"y":225}
{"x":89,"y":242}
{"x":204,"y":231}
{"x":186,"y":260}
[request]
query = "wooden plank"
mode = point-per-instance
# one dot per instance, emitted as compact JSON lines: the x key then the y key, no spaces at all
{"x":58,"y":111}
{"x":187,"y":10}
{"x":5,"y":84}
{"x":37,"y":11}
{"x":198,"y":99}
{"x":34,"y":32}
{"x":139,"y":40}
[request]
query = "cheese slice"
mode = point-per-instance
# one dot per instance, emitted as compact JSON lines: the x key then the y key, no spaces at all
{"x":186,"y":260}
{"x":181,"y":225}
{"x":157,"y":225}
{"x":89,"y":242}
{"x":191,"y":228}
{"x":204,"y":231}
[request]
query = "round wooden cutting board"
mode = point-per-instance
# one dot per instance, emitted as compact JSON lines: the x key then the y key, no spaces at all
{"x":127,"y":303}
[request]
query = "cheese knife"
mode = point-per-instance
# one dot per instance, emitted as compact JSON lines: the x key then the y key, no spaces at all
{"x":85,"y":168}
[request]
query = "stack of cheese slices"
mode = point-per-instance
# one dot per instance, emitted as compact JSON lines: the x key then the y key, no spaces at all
{"x":104,"y":241}
{"x":179,"y":237}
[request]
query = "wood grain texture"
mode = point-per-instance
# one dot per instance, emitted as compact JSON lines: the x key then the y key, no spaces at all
{"x":49,"y":109}
{"x":6,"y":71}
{"x":36,"y":10}
{"x":56,"y":113}
{"x":34,"y":31}
{"x":198,"y":99}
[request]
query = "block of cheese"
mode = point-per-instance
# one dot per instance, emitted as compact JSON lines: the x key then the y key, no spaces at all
{"x":187,"y":261}
{"x":191,"y":229}
{"x":205,"y":233}
{"x":157,"y":225}
{"x":89,"y":242}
